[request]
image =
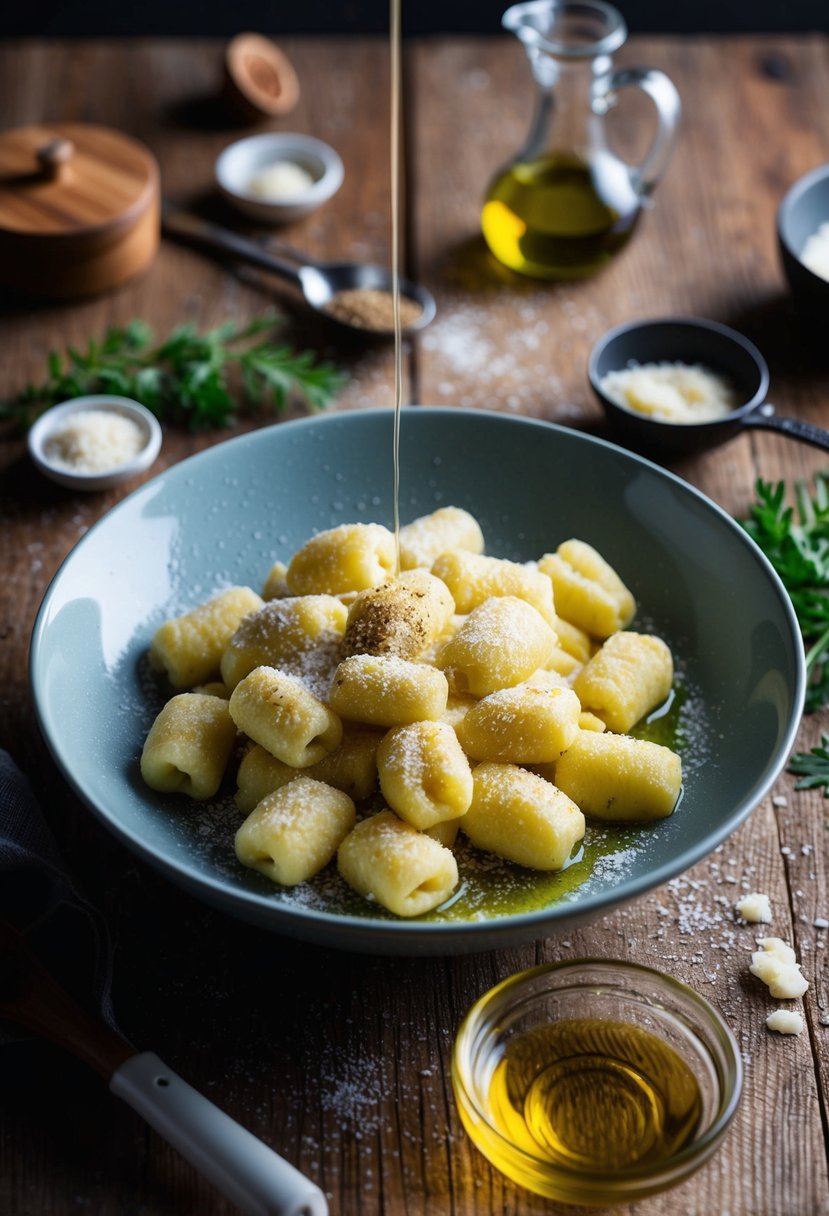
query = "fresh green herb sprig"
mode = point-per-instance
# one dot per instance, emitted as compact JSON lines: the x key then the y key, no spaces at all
{"x":187,"y":379}
{"x":795,"y":539}
{"x":812,"y":767}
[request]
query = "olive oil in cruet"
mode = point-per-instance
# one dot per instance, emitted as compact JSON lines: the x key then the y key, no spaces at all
{"x":561,"y":216}
{"x":566,"y":204}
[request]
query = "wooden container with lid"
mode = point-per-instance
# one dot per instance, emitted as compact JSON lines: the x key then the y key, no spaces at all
{"x":79,"y":209}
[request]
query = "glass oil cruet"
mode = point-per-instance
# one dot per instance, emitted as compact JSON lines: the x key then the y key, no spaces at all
{"x":566,"y":204}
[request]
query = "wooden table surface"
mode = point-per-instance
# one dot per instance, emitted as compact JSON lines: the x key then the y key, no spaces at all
{"x":341,"y":1062}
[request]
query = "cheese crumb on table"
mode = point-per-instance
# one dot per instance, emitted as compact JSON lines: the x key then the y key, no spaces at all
{"x":785,"y":1021}
{"x":755,"y":908}
{"x":94,"y":441}
{"x":776,"y":965}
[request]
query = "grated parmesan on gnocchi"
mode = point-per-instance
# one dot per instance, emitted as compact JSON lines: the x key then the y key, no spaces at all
{"x":384,"y":713}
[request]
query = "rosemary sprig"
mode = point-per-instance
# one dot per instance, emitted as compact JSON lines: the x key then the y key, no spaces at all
{"x":187,"y":379}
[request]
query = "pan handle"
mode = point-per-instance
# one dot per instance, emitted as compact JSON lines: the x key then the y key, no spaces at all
{"x":764,"y":418}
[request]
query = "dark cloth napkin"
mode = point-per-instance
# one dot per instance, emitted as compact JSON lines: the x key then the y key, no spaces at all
{"x":40,"y":899}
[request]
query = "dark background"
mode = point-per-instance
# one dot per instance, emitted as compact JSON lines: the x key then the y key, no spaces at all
{"x":226,"y":17}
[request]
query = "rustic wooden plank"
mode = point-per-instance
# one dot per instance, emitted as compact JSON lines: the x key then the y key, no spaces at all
{"x":707,"y":248}
{"x":340,"y":1061}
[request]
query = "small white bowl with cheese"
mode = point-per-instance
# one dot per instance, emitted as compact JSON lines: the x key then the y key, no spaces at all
{"x":95,"y":442}
{"x":278,"y":177}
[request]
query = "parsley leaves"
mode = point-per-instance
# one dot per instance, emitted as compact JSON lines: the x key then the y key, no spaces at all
{"x":185,"y":380}
{"x":813,"y":767}
{"x":795,"y":539}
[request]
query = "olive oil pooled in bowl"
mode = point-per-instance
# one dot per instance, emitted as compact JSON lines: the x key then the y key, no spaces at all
{"x":595,"y":1082}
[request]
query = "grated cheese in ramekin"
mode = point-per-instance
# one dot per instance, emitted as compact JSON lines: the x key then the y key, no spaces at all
{"x":94,"y":441}
{"x":671,"y":392}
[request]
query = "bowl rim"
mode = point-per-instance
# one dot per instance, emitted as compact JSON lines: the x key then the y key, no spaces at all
{"x":700,"y":324}
{"x":126,"y":407}
{"x":476,"y":1018}
{"x":802,"y":185}
{"x":323,"y":188}
{"x":340,"y":927}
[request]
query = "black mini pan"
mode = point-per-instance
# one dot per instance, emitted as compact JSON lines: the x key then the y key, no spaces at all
{"x":691,"y":341}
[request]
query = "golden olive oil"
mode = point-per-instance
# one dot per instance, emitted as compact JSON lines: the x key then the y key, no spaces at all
{"x":561,"y":216}
{"x":594,"y":1096}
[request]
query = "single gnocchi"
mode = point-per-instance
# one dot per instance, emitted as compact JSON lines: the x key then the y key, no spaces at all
{"x":298,"y":634}
{"x":424,"y":775}
{"x":401,"y":617}
{"x":426,"y":538}
{"x":528,"y":724}
{"x":188,"y":745}
{"x":350,"y":557}
{"x":294,"y":832}
{"x":501,"y":643}
{"x":189,"y":648}
{"x":279,"y":713}
{"x":619,"y":778}
{"x":629,"y":676}
{"x":473,"y":578}
{"x":587,"y":590}
{"x":384,"y":690}
{"x":520,"y":816}
{"x":404,"y":870}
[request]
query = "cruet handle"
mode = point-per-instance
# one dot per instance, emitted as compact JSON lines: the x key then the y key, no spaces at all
{"x":662,"y":92}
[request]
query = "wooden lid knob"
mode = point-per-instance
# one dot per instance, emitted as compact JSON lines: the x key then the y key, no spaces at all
{"x":260,"y":80}
{"x":54,"y":157}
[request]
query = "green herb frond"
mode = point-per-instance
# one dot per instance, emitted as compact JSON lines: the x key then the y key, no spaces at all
{"x":185,"y":379}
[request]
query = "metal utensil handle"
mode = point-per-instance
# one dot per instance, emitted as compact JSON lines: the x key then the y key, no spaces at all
{"x":244,"y":1169}
{"x":764,"y":418}
{"x":183,"y":224}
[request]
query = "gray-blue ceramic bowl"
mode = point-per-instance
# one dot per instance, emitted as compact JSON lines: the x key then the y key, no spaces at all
{"x":804,"y":208}
{"x":224,"y":516}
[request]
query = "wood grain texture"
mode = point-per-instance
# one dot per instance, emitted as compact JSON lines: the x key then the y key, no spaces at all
{"x":342,"y":1062}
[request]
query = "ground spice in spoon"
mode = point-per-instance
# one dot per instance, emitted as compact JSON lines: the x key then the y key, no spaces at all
{"x":370,"y":308}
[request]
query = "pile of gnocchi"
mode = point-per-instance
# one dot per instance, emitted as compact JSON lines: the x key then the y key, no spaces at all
{"x":471,"y":693}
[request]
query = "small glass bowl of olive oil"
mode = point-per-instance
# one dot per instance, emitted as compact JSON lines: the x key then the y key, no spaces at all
{"x":595,"y":1082}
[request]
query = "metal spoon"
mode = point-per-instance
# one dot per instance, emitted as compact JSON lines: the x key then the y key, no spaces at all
{"x":319,"y":282}
{"x":692,"y":341}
